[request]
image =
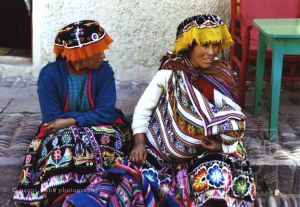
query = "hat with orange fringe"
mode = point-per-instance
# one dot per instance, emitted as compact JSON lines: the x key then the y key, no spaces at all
{"x":81,"y":40}
{"x":202,"y":29}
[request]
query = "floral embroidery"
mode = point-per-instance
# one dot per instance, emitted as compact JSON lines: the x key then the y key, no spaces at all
{"x":86,"y":140}
{"x":28,"y":159}
{"x":43,"y":167}
{"x":227,"y":178}
{"x":240,"y":152}
{"x":200,"y":183}
{"x":87,"y":158}
{"x":35,"y":144}
{"x":105,"y":139}
{"x":152,"y":176}
{"x":57,"y":154}
{"x":253,"y":190}
{"x":118,"y":144}
{"x":60,"y":161}
{"x":44,"y":151}
{"x":215,"y":177}
{"x":109,"y":158}
{"x":54,"y":142}
{"x":241,"y":186}
{"x":64,"y":152}
{"x":66,"y":139}
{"x":25,"y":176}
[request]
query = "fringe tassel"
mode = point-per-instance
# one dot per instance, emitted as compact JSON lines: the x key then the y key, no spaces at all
{"x":203,"y":36}
{"x":85,"y":52}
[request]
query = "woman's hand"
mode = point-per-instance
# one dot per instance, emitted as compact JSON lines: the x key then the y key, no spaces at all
{"x":58,"y":124}
{"x":138,"y":154}
{"x":224,"y":100}
{"x":210,"y":145}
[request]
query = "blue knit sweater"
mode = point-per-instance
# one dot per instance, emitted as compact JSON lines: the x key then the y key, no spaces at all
{"x":53,"y":94}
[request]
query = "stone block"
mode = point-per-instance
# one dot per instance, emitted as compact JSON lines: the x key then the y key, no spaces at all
{"x":286,"y":175}
{"x":4,"y":103}
{"x":21,"y":105}
{"x":265,"y":173}
{"x":296,"y":185}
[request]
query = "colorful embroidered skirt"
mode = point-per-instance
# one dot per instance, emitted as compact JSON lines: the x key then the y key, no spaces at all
{"x":215,"y":176}
{"x":68,"y":159}
{"x":211,"y":176}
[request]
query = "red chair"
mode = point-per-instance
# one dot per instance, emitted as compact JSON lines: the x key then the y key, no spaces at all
{"x":245,"y":35}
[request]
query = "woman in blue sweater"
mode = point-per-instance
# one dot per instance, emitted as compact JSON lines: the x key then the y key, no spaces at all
{"x":81,"y":134}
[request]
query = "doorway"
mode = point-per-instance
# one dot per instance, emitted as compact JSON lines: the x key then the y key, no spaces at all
{"x":16,"y":28}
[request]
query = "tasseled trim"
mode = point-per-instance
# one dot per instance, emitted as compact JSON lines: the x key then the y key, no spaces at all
{"x":203,"y":36}
{"x":85,"y":52}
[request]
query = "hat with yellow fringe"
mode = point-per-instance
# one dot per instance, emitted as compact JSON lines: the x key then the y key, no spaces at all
{"x":81,"y":40}
{"x":202,"y":29}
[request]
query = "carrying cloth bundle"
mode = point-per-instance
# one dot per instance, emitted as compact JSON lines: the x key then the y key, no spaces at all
{"x":184,"y":116}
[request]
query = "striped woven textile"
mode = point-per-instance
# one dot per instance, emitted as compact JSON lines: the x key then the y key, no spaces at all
{"x":184,"y":117}
{"x":116,"y":187}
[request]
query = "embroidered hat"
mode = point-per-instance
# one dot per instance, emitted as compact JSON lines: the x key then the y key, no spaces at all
{"x":202,"y":29}
{"x":81,"y":40}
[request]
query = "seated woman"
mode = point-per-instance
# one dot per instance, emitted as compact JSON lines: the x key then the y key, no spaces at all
{"x":187,"y":126}
{"x":82,"y":133}
{"x":188,"y":129}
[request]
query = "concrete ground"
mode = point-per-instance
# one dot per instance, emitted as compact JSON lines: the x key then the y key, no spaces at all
{"x":276,"y":165}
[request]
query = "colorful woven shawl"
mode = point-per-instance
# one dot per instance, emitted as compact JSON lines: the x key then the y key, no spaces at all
{"x":184,"y":116}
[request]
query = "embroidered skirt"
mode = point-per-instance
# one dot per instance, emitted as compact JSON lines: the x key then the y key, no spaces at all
{"x":210,"y":176}
{"x":216,"y":176}
{"x":68,"y":159}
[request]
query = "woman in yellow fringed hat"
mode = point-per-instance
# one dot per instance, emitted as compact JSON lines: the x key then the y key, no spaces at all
{"x":82,"y":132}
{"x":187,"y":126}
